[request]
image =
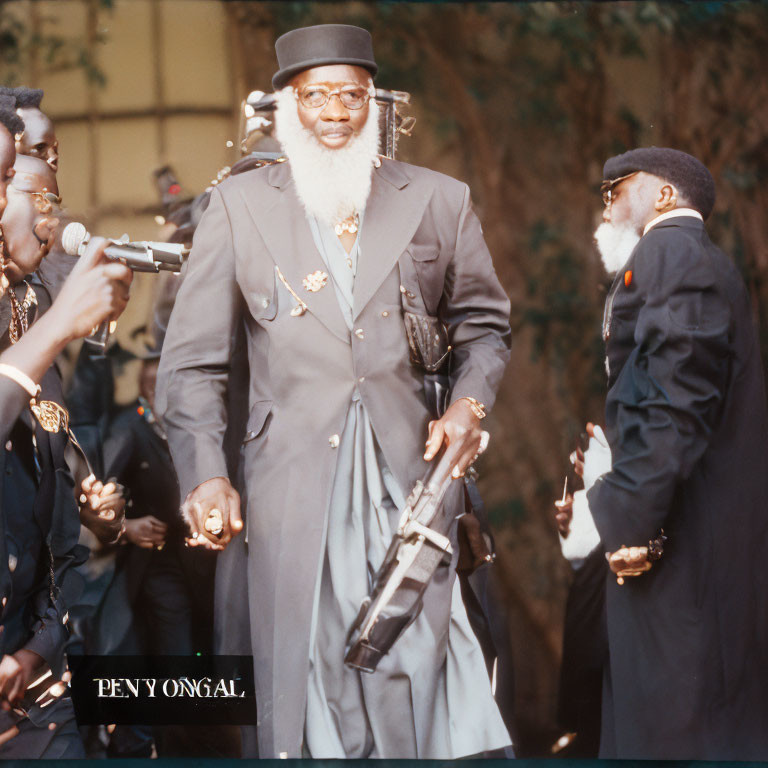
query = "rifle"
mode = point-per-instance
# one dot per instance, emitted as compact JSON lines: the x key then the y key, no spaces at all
{"x":394,"y":122}
{"x":418,"y":547}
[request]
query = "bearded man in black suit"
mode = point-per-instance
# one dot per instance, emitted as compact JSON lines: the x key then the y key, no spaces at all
{"x":682,"y":505}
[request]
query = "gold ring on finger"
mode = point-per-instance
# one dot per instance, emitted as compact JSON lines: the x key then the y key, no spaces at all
{"x":214,"y":523}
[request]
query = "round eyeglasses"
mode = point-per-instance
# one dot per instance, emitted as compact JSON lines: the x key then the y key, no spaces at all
{"x":351,"y":96}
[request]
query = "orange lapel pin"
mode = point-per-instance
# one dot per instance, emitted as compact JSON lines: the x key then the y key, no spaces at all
{"x":628,"y":278}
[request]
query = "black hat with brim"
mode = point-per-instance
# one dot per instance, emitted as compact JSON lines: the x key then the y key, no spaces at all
{"x":320,"y":46}
{"x":688,"y":174}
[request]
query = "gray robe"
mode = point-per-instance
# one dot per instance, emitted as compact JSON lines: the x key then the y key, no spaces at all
{"x":417,"y":704}
{"x":304,"y":371}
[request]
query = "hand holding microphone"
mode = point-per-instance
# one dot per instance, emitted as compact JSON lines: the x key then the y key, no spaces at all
{"x":140,"y":256}
{"x":96,"y":291}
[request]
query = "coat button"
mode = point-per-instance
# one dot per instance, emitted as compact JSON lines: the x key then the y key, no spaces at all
{"x":385,"y":313}
{"x":334,"y":441}
{"x":361,"y":379}
{"x":9,"y":446}
{"x":265,"y":303}
{"x":12,"y":563}
{"x":360,"y":333}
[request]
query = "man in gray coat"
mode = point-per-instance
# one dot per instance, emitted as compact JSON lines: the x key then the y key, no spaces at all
{"x":317,"y":258}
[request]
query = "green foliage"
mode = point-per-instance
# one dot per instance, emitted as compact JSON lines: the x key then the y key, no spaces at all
{"x":563,"y":317}
{"x":55,"y":52}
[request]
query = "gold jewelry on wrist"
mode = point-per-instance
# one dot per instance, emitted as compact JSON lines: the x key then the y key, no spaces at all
{"x":477,"y":407}
{"x":21,"y":378}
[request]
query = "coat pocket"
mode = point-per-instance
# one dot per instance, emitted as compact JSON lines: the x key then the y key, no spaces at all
{"x":423,"y":252}
{"x":257,"y":420}
{"x":429,"y":274}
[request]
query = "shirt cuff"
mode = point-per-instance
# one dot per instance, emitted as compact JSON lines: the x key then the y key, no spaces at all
{"x":583,"y":536}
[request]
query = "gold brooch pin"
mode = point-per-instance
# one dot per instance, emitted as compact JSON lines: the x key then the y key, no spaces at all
{"x":351,"y":224}
{"x":300,"y":307}
{"x":51,"y":416}
{"x":315,"y":281}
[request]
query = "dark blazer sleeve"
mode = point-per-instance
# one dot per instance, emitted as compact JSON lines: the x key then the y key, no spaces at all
{"x":661,"y":410}
{"x":475,"y":310}
{"x":50,"y":632}
{"x":51,"y":602}
{"x":195,"y":363}
{"x":13,"y":399}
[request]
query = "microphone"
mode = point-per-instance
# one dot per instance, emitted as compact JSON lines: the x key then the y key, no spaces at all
{"x":140,"y":256}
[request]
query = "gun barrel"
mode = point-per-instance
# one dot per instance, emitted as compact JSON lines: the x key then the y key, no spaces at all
{"x":387,"y":96}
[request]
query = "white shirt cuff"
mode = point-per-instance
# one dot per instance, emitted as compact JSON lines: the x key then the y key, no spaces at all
{"x":583,"y":536}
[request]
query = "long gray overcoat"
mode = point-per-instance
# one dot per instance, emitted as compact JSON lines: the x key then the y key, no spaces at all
{"x":304,"y":369}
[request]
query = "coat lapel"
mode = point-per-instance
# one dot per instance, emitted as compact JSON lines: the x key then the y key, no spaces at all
{"x":284,"y":228}
{"x":392,"y":216}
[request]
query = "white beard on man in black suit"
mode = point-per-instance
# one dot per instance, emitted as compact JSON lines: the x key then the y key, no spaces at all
{"x":615,"y":242}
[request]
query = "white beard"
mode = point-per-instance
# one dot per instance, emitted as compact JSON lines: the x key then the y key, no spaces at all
{"x":332,"y":184}
{"x":615,"y":245}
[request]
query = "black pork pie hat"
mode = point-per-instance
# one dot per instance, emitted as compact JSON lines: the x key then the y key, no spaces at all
{"x":687,"y":173}
{"x":319,"y":46}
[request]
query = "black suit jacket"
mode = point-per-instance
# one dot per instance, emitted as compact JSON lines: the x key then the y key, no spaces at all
{"x":138,"y":456}
{"x":687,"y":426}
{"x":39,"y":529}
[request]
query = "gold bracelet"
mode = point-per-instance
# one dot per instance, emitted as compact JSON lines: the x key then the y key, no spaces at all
{"x":21,"y":378}
{"x":477,"y":407}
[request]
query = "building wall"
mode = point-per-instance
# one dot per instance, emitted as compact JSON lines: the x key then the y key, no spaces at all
{"x":167,"y":96}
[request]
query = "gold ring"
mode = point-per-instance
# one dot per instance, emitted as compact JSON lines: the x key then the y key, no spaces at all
{"x":214,"y":523}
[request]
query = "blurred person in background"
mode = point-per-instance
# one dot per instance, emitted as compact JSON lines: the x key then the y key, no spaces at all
{"x":38,"y":139}
{"x":160,"y":599}
{"x":585,"y":642}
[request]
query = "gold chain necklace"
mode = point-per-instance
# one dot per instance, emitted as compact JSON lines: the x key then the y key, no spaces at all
{"x":20,"y":313}
{"x":4,"y":284}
